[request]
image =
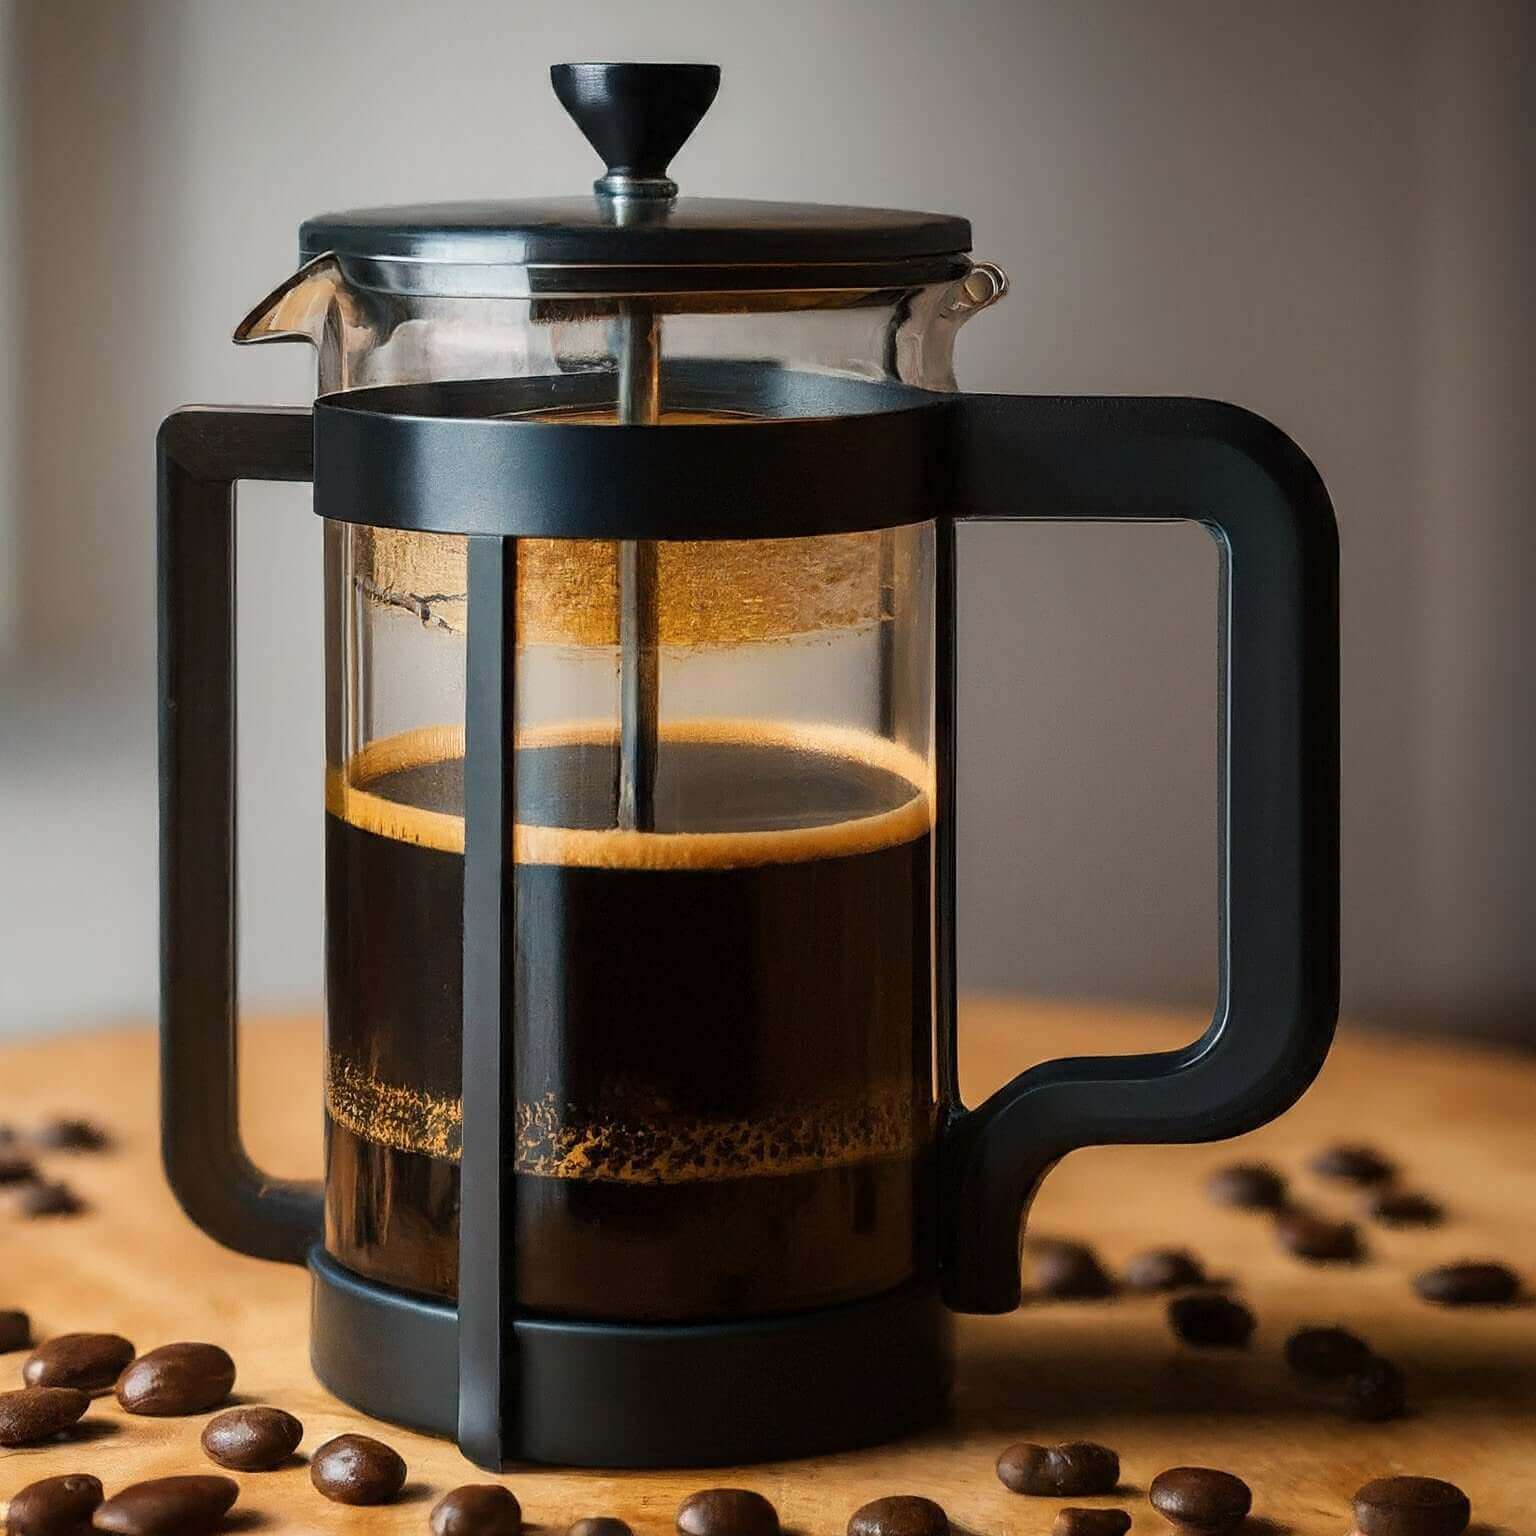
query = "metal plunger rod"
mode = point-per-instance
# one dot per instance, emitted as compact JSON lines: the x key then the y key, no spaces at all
{"x":639,"y":669}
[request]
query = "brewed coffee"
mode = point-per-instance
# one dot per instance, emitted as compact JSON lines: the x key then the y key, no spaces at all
{"x":722,"y":1065}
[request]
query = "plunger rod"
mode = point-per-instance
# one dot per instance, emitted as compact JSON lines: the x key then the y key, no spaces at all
{"x":639,"y":668}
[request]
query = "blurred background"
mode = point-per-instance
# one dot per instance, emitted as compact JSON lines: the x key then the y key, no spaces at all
{"x":1325,"y":211}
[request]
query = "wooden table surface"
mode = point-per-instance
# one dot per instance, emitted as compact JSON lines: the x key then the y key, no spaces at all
{"x":1459,"y":1119}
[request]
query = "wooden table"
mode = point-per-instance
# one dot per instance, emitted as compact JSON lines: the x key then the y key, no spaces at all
{"x":1460,"y":1120}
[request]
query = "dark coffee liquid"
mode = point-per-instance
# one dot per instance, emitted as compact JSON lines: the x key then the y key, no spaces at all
{"x":722,"y":1062}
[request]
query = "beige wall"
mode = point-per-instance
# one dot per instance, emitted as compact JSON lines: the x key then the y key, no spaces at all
{"x":1321,"y":209}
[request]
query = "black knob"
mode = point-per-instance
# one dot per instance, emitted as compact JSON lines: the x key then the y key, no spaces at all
{"x":636,"y":116}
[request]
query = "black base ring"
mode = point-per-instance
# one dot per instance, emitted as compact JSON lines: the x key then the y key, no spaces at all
{"x":648,"y":1395}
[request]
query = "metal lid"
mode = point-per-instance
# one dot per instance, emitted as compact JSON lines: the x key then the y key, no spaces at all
{"x":637,"y":116}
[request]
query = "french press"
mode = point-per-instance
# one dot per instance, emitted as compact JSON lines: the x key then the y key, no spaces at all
{"x":643,"y":1141}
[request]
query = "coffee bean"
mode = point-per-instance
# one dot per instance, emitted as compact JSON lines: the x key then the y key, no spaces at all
{"x":56,"y":1506}
{"x":727,"y":1512}
{"x":477,"y":1509}
{"x":15,"y":1169}
{"x":41,"y":1197}
{"x":1078,"y":1469}
{"x":1376,"y":1391}
{"x":598,"y":1525}
{"x":39,"y":1413}
{"x":1404,"y":1208}
{"x":251,"y":1439}
{"x":1468,"y":1285}
{"x":900,"y":1514}
{"x":1325,"y":1354}
{"x":15,"y":1331}
{"x":65,"y":1135}
{"x":1411,"y":1506}
{"x":1353,"y":1164}
{"x":90,"y":1361}
{"x":177,"y":1379}
{"x":1313,"y":1237}
{"x":169,"y":1506}
{"x":1200,"y":1498}
{"x":1211,"y":1321}
{"x":7,"y":1133}
{"x":1090,"y":1522}
{"x":1068,"y":1271}
{"x":1248,"y":1186}
{"x":357,"y":1469}
{"x":1164,"y":1269}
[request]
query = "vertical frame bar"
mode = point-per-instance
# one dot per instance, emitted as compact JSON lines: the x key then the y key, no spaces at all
{"x":486,"y":1275}
{"x":945,"y":977}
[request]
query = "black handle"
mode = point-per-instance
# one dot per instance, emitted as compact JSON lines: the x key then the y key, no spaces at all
{"x":203,"y":451}
{"x":1156,"y":460}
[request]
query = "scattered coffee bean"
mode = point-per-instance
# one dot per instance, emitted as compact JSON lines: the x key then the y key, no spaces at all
{"x":1090,"y":1522}
{"x":1411,"y":1506}
{"x":1404,"y":1208}
{"x":727,"y":1512}
{"x":1200,"y":1499}
{"x":7,"y":1133}
{"x":41,"y":1197}
{"x":1248,"y":1186}
{"x":15,"y":1169}
{"x":65,"y":1135}
{"x":1468,"y":1285}
{"x":56,"y":1506}
{"x":15,"y":1331}
{"x":1068,"y":1271}
{"x":1164,"y":1269}
{"x":1325,"y":1354}
{"x":39,"y":1413}
{"x":251,"y":1439}
{"x":169,"y":1506}
{"x":90,"y":1361}
{"x":477,"y":1509}
{"x":357,"y":1469}
{"x":177,"y":1379}
{"x":900,"y":1514}
{"x":1313,"y":1237}
{"x":1376,"y":1391}
{"x":1211,"y":1320}
{"x":1076,"y":1470}
{"x":599,"y":1525}
{"x":1352,"y":1164}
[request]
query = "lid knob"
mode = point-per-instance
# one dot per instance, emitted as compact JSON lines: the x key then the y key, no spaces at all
{"x":636,"y":116}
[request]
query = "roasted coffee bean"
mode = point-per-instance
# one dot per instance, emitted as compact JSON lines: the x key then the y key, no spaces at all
{"x":899,"y":1514}
{"x":1325,"y":1354}
{"x":1352,"y":1164}
{"x":1376,"y":1391}
{"x":7,"y":1133}
{"x":1411,"y":1506}
{"x":177,"y":1379}
{"x":1211,"y":1320}
{"x":1404,"y":1208}
{"x":90,"y":1361}
{"x":1200,"y":1499}
{"x":56,"y":1506}
{"x":1068,"y":1271}
{"x":1078,"y":1469}
{"x":1313,"y":1237}
{"x":599,"y":1525}
{"x":727,"y":1512}
{"x":39,"y":1413}
{"x":169,"y":1506}
{"x":41,"y":1197}
{"x":1090,"y":1522}
{"x":251,"y":1439}
{"x":15,"y":1331}
{"x":1468,"y":1285}
{"x":477,"y":1509}
{"x":1248,"y":1186}
{"x":357,"y":1469}
{"x":1164,"y":1269}
{"x":65,"y":1135}
{"x":15,"y":1169}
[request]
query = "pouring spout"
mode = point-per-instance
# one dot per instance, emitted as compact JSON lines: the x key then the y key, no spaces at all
{"x":301,"y":309}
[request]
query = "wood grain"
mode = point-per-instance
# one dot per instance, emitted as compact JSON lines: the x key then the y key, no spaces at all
{"x":1459,"y":1119}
